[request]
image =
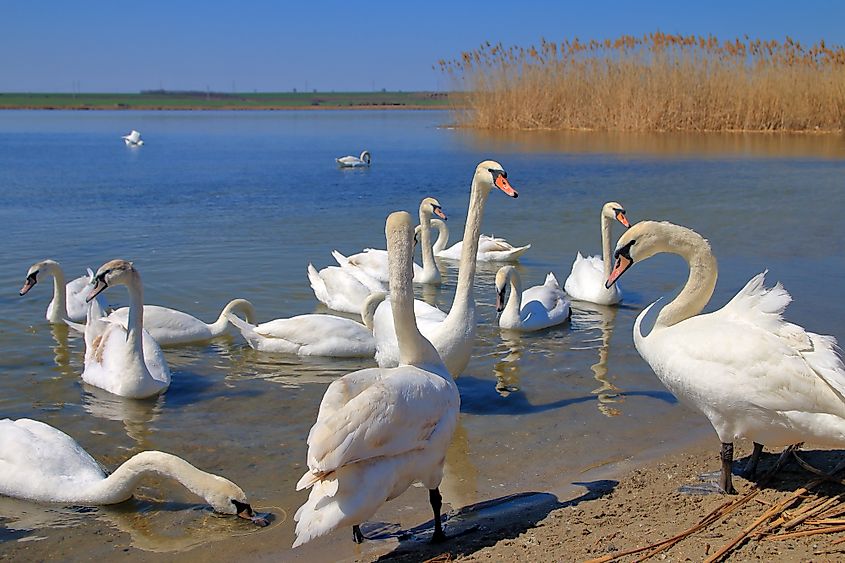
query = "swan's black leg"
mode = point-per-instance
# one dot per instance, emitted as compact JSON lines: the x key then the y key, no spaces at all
{"x":750,"y":469}
{"x":436,"y":502}
{"x":727,"y":457}
{"x":357,"y":536}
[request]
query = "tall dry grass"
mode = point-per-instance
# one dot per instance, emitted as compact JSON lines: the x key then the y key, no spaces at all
{"x":656,"y":82}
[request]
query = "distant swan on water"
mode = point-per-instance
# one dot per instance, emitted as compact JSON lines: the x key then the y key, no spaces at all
{"x":352,"y":161}
{"x":133,"y":139}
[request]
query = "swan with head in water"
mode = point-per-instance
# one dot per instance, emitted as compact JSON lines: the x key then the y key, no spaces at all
{"x":490,"y":249}
{"x":750,"y":372}
{"x":43,"y":464}
{"x":586,"y":281}
{"x":373,"y":262}
{"x":380,"y":430}
{"x":68,"y":298}
{"x":453,"y":335}
{"x":354,"y":161}
{"x":124,"y":360}
{"x":536,"y":308}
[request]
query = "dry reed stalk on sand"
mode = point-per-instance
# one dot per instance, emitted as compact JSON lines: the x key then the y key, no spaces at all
{"x":658,"y":82}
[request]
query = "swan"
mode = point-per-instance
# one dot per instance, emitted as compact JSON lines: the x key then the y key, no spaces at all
{"x":490,"y":249}
{"x":586,"y":281}
{"x":41,"y":463}
{"x":379,"y":430}
{"x":68,"y":299}
{"x":171,"y":326}
{"x":750,"y":372}
{"x":452,"y":336}
{"x":374,"y":262}
{"x":353,"y":161}
{"x":536,"y":308}
{"x":133,"y":139}
{"x":342,"y":289}
{"x":315,"y":334}
{"x":123,"y":361}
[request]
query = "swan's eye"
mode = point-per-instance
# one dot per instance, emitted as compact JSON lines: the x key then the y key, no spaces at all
{"x":624,"y":251}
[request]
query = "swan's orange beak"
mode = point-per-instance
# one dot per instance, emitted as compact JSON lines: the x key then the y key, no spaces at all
{"x":503,"y":184}
{"x":439,"y":212}
{"x":27,"y":285}
{"x":620,"y":216}
{"x":622,"y":264}
{"x":99,"y":287}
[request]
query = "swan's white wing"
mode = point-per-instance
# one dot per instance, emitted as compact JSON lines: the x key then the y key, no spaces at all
{"x":338,"y":288}
{"x":549,"y":294}
{"x":166,"y":325}
{"x":586,"y":282}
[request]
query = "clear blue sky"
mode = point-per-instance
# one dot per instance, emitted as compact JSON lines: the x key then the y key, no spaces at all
{"x":119,"y":46}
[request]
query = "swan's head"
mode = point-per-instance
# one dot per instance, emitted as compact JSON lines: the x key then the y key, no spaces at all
{"x":115,"y":272}
{"x":644,"y":240}
{"x":502,"y":277}
{"x":32,"y":274}
{"x":490,"y":173}
{"x":227,"y":498}
{"x":613,"y":210}
{"x":430,"y":206}
{"x":365,"y":156}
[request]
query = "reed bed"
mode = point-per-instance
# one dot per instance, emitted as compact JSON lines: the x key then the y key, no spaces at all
{"x":656,"y":82}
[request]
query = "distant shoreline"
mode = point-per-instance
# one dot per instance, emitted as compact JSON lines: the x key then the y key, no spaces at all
{"x":163,"y":100}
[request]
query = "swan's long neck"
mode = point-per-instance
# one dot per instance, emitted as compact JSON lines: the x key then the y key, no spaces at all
{"x":135,"y":323}
{"x":242,"y":305}
{"x":442,"y":236}
{"x":463,"y":307}
{"x":606,"y":255}
{"x":701,"y":282}
{"x":120,"y":485}
{"x":514,"y":302}
{"x":59,"y":309}
{"x":429,"y":266}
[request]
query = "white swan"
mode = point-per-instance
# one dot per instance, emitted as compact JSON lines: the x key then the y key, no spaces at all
{"x":374,"y":262}
{"x":380,"y":430}
{"x":490,"y":249}
{"x":354,"y":161}
{"x":124,"y":361}
{"x":453,"y":337}
{"x":536,"y":308}
{"x":170,"y":326}
{"x":751,"y":373}
{"x":43,"y":464}
{"x":133,"y":139}
{"x":586,"y":281}
{"x":68,"y":298}
{"x":342,"y":289}
{"x":315,"y":334}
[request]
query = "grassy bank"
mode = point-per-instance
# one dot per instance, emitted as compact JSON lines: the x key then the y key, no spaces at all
{"x":182,"y":100}
{"x":658,"y":82}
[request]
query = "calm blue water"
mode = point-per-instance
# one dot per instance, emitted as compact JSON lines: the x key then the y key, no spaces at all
{"x":218,"y":205}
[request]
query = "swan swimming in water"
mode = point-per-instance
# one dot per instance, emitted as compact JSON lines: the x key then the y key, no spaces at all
{"x":43,"y":464}
{"x":536,"y":308}
{"x":379,"y":430}
{"x":750,"y":372}
{"x":490,"y":249}
{"x":133,"y":139}
{"x":354,"y":161}
{"x":68,"y":298}
{"x":586,"y":280}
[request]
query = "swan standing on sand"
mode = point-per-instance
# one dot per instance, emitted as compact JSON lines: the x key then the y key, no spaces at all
{"x":43,"y":464}
{"x":133,"y":139}
{"x":125,"y":361}
{"x":536,"y":308}
{"x":490,"y":249}
{"x":68,"y":299}
{"x":751,"y":373}
{"x":315,"y":334}
{"x":586,"y":281}
{"x":453,"y":336}
{"x":373,"y":262}
{"x":380,"y":430}
{"x":353,"y":161}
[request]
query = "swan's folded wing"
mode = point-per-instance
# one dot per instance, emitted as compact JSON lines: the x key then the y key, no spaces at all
{"x":394,"y":415}
{"x":307,"y":329}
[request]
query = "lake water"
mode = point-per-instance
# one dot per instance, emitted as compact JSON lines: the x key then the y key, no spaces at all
{"x":218,"y":205}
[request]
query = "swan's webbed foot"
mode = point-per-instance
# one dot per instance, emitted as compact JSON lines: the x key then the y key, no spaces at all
{"x":724,"y":484}
{"x":357,"y":536}
{"x":750,"y":469}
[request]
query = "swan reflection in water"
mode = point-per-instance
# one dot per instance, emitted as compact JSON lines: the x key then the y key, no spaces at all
{"x":506,"y":370}
{"x":135,"y":415}
{"x":593,"y":317}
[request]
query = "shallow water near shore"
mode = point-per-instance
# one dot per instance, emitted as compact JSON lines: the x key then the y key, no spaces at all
{"x":218,"y":205}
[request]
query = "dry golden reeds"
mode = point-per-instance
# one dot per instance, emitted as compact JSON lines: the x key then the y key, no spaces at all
{"x":658,"y":82}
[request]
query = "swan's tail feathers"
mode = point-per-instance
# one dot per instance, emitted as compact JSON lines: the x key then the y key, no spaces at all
{"x":78,"y":327}
{"x":340,"y":258}
{"x":755,"y":297}
{"x":320,"y":514}
{"x":243,"y":307}
{"x":519,"y":251}
{"x":317,"y":284}
{"x":551,"y":281}
{"x":247,"y":329}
